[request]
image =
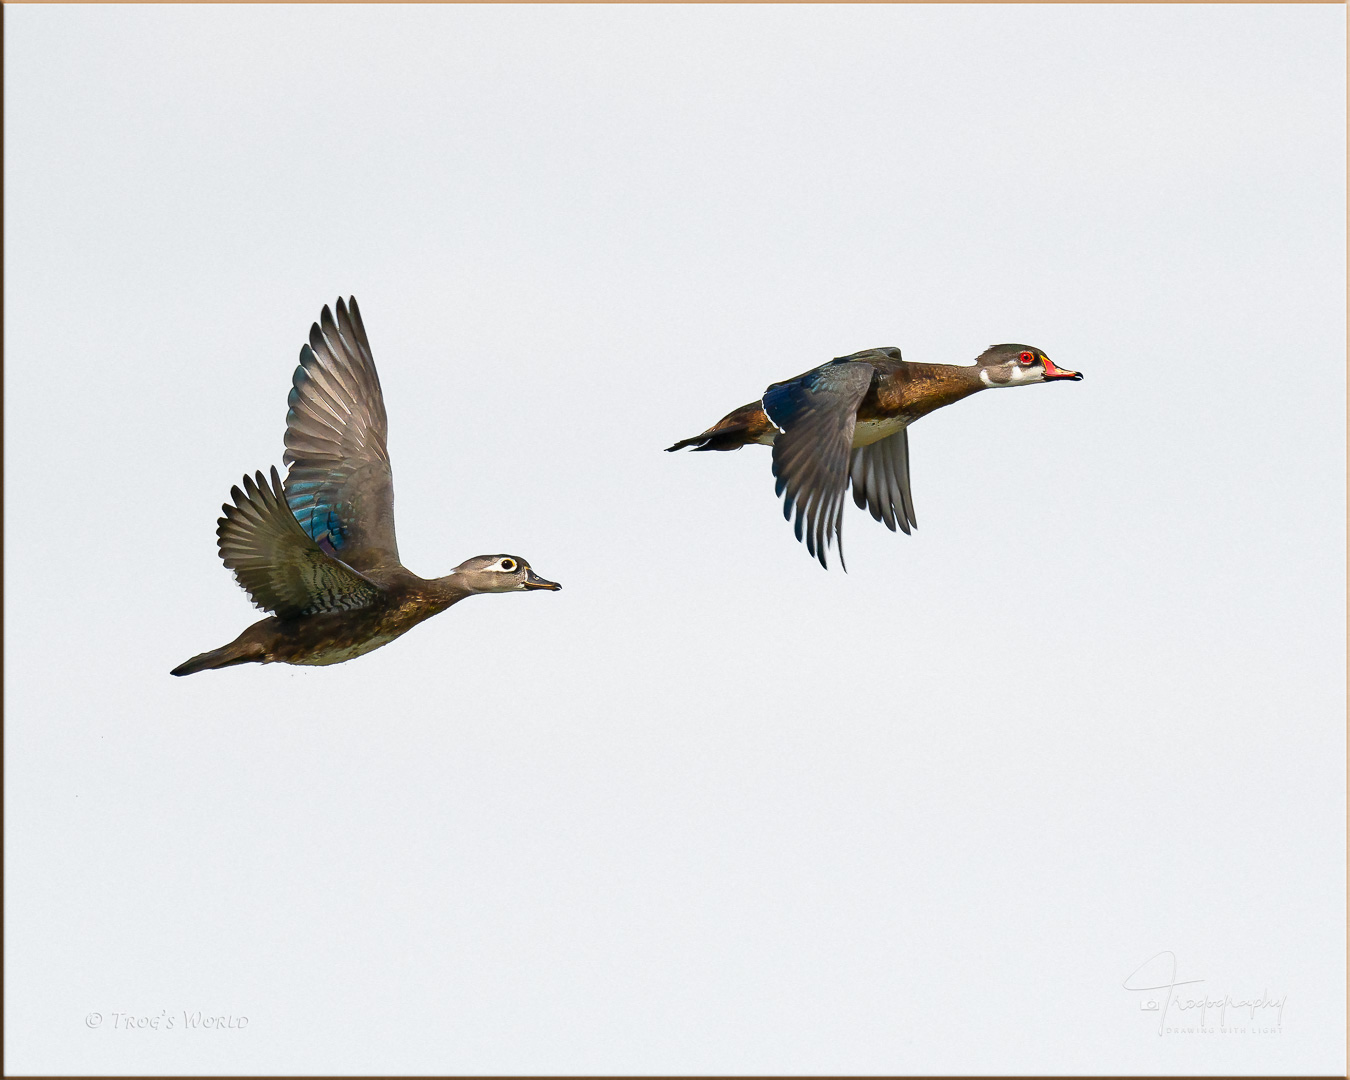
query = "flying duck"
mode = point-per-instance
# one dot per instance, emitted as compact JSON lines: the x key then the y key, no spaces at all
{"x":846,"y":421}
{"x":318,"y":551}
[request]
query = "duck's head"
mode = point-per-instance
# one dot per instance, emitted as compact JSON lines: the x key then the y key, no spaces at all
{"x":1017,"y":365}
{"x":499,"y":573}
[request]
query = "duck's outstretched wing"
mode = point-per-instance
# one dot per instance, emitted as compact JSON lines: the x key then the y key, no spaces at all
{"x":817,"y":413}
{"x":340,"y":486}
{"x":279,"y":566}
{"x":880,"y":475}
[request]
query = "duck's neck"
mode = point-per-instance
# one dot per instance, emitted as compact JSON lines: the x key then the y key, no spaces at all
{"x":444,"y":591}
{"x":937,"y":385}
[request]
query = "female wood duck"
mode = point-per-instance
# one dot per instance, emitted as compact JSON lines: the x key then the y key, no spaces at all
{"x":319,"y":552}
{"x":847,"y":420}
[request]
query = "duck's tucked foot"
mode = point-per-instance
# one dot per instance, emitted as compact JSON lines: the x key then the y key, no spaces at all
{"x":225,"y":656}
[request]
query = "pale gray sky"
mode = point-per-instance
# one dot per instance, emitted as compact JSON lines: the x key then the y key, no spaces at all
{"x":709,"y":809}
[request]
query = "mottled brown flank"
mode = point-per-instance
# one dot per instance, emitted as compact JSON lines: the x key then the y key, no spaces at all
{"x":899,"y":390}
{"x":332,"y":637}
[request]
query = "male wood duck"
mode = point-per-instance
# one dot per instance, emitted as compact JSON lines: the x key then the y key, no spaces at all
{"x":318,"y":551}
{"x":846,"y":421}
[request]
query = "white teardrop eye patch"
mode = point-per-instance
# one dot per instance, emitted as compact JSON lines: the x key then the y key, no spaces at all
{"x":508,"y":565}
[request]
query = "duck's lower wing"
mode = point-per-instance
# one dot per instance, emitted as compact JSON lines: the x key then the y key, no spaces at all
{"x":277,"y":563}
{"x":817,"y":413}
{"x":880,"y":475}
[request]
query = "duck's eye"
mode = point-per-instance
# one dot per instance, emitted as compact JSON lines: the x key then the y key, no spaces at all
{"x":508,"y":565}
{"x":1025,"y":358}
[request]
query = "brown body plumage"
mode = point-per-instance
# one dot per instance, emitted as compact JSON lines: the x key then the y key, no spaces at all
{"x":332,"y":637}
{"x":846,"y":422}
{"x":319,"y":551}
{"x":899,"y":391}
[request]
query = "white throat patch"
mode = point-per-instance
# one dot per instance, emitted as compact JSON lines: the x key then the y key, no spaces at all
{"x":1018,"y":375}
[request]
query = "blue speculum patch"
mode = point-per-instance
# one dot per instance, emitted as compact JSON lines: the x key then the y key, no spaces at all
{"x":318,"y":515}
{"x":321,"y":520}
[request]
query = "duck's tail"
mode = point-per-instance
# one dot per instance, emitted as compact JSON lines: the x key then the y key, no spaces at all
{"x":226,"y":656}
{"x":746,"y":425}
{"x":700,"y":442}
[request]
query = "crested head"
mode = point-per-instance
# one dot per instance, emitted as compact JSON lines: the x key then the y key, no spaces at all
{"x":499,"y":573}
{"x":1018,"y":365}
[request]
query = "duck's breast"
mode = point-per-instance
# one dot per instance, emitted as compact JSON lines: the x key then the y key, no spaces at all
{"x":866,"y":432}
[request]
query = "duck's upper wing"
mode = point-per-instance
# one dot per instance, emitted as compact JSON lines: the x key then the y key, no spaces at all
{"x":880,"y":475}
{"x":817,"y":413}
{"x":340,"y":486}
{"x":277,"y":563}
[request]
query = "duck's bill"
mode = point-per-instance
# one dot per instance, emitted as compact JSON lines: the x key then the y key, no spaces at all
{"x":1052,"y":372}
{"x":534,"y":581}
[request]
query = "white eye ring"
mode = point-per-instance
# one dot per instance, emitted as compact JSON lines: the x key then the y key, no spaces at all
{"x":507,"y":564}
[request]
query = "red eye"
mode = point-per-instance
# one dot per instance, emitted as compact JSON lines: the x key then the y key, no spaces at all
{"x":1025,"y":358}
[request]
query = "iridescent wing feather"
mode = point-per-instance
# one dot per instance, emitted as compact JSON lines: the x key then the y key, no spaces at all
{"x":340,"y":486}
